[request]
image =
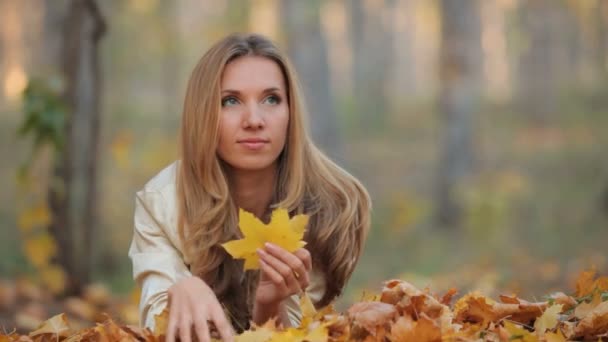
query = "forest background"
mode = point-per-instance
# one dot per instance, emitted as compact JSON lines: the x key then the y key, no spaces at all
{"x":480,"y":129}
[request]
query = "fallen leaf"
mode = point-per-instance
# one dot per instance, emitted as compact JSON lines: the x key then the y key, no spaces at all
{"x":548,"y":320}
{"x":281,"y":231}
{"x":98,"y":294}
{"x":371,"y":315}
{"x":261,"y":333}
{"x":446,"y":299}
{"x":57,"y":326}
{"x":258,"y":335}
{"x":111,"y":332}
{"x":585,"y":283}
{"x":557,"y":336}
{"x":594,"y":323}
{"x":80,"y":308}
{"x":517,"y":333}
{"x":584,"y":308}
{"x":161,"y":321}
{"x":405,"y":329}
{"x":476,"y":308}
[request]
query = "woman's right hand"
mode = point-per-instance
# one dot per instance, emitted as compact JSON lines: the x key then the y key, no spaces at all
{"x":191,"y":304}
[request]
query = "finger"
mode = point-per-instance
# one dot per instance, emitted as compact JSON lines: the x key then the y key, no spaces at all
{"x":202,"y":330}
{"x":273,"y":275}
{"x":185,"y":328}
{"x":222,"y":325}
{"x":287,"y":258}
{"x":283,"y":270}
{"x":304,"y":255}
{"x":171,"y":327}
{"x":304,"y":281}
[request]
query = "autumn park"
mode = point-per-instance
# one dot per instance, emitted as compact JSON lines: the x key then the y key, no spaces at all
{"x":452,"y":180}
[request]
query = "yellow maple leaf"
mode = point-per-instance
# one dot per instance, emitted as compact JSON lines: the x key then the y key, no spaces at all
{"x":258,"y":335}
{"x":161,"y":322}
{"x":317,"y":334}
{"x":261,"y":333}
{"x":306,"y":306}
{"x":548,"y":320}
{"x":281,"y":231}
{"x":518,"y":333}
{"x":557,"y":336}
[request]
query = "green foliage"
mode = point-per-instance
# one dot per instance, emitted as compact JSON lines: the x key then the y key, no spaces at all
{"x":44,"y":117}
{"x":44,"y":114}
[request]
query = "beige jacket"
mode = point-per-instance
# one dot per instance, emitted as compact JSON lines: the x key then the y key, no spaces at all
{"x":157,"y":251}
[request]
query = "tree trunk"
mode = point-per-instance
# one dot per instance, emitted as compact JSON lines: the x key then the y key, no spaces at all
{"x":308,"y":50}
{"x":373,"y":49}
{"x":460,"y":77}
{"x":73,"y":194}
{"x":548,"y":60}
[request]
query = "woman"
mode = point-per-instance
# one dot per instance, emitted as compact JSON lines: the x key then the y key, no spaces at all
{"x":243,"y":145}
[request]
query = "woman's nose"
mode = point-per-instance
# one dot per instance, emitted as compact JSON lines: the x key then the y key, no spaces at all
{"x":253,"y":117}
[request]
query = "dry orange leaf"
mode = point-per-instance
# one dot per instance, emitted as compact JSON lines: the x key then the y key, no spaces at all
{"x":406,"y":329}
{"x":372,"y":315}
{"x":594,"y":323}
{"x":586,"y":283}
{"x":80,"y":308}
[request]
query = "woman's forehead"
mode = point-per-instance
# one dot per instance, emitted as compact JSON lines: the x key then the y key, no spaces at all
{"x":252,"y":73}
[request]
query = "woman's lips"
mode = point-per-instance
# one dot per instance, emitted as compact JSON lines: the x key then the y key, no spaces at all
{"x":253,"y":144}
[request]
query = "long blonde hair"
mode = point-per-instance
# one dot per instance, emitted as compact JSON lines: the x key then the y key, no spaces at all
{"x":307,"y":182}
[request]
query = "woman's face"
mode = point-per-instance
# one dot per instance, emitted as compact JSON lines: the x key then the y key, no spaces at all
{"x":254,"y":114}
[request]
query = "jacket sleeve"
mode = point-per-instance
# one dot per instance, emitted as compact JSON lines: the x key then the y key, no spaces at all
{"x":157,"y":263}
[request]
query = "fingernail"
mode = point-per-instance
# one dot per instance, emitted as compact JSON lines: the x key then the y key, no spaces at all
{"x":261,"y":252}
{"x":269,"y":245}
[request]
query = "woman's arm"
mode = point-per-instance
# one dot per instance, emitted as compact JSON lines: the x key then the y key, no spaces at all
{"x":157,"y":264}
{"x":159,"y":268}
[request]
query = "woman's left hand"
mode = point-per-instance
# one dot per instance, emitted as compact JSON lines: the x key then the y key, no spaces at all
{"x":282,"y":274}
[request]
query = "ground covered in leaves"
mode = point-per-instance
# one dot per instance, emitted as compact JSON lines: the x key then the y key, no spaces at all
{"x":401,"y":312}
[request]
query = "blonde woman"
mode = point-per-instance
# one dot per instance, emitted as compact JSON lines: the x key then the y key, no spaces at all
{"x":244,"y":144}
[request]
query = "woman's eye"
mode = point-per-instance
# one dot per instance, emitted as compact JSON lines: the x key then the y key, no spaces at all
{"x":272,"y":100}
{"x":229,"y":101}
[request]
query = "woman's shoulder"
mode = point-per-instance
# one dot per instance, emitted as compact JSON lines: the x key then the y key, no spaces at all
{"x":165,"y":179}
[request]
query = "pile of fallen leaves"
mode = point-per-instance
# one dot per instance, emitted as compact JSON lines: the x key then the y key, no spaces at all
{"x":401,"y":312}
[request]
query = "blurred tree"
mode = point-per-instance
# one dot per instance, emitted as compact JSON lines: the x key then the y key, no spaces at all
{"x":460,"y":87}
{"x":73,"y":192}
{"x":372,"y":44}
{"x":548,"y":57}
{"x":601,"y":26}
{"x":308,"y":50}
{"x":171,"y":65}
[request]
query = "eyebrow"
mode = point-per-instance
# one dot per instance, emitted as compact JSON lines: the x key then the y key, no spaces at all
{"x":236,"y":92}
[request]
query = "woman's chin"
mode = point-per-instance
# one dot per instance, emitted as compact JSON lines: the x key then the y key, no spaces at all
{"x":245,"y":164}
